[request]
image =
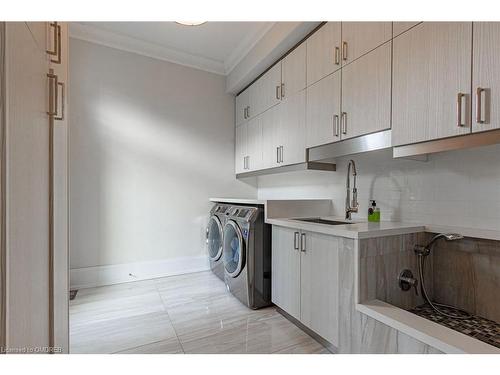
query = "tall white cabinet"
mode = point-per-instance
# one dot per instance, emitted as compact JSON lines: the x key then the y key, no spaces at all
{"x":35,"y":250}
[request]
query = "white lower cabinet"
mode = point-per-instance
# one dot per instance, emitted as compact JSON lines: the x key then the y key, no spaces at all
{"x":305,"y":279}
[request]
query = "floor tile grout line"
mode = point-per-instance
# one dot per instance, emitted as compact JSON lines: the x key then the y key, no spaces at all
{"x":169,"y":319}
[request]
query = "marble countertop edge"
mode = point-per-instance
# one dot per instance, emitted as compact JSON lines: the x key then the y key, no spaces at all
{"x":421,"y":329}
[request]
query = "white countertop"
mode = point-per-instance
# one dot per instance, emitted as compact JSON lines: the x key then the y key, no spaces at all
{"x":238,"y":200}
{"x":356,"y":229}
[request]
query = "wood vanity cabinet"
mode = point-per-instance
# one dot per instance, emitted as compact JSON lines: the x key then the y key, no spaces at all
{"x":305,"y":279}
{"x":431,"y":96}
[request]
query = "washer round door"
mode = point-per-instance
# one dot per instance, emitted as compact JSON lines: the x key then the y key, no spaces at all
{"x":214,"y":238}
{"x":234,"y":249}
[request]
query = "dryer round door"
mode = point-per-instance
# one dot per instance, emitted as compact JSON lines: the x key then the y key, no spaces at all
{"x":234,"y":249}
{"x":214,"y":238}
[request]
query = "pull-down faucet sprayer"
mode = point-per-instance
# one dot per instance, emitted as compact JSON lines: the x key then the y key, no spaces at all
{"x":351,"y":206}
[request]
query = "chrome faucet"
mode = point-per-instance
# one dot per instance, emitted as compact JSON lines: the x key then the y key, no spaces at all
{"x":351,"y":206}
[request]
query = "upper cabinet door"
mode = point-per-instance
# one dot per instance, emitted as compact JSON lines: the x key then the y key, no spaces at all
{"x":486,"y":76}
{"x":366,"y":94}
{"x":242,"y":103}
{"x":293,"y":129}
{"x":431,"y":81}
{"x":270,"y":137}
{"x":294,"y":72}
{"x":266,"y":91}
{"x":323,"y":52}
{"x":359,"y":38}
{"x":240,"y":150}
{"x":254,"y":143}
{"x":401,"y":27}
{"x":323,"y":111}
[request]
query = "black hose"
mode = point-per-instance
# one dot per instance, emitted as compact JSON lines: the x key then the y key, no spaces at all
{"x":421,"y":260}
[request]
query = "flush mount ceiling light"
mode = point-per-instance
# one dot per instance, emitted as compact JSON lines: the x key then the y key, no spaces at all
{"x":191,"y":23}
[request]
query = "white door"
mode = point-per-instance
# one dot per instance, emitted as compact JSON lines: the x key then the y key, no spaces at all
{"x":242,"y":103}
{"x":294,"y":72}
{"x":366,"y":93}
{"x":27,"y":187}
{"x":254,"y":143}
{"x":319,"y":285}
{"x":293,"y":129}
{"x":323,"y":111}
{"x":240,"y":150}
{"x":359,"y":38}
{"x":323,"y":52}
{"x":286,"y":270}
{"x":266,"y":91}
{"x":431,"y":75}
{"x":486,"y":76}
{"x":270,"y":137}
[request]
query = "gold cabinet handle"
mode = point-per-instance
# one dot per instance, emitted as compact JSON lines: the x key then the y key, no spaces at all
{"x":57,"y":43}
{"x":479,"y":104}
{"x":337,"y":56}
{"x":460,"y":97}
{"x":336,"y":125}
{"x":344,"y":122}
{"x":344,"y":51}
{"x":303,"y":242}
{"x":62,"y":85}
{"x":53,"y":88}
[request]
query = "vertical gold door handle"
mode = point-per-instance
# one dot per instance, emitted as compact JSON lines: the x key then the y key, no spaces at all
{"x":460,"y":98}
{"x":344,"y":51}
{"x":337,"y":56}
{"x":336,"y":126}
{"x":343,"y":118}
{"x":479,"y":104}
{"x":53,"y":88}
{"x":61,"y":84}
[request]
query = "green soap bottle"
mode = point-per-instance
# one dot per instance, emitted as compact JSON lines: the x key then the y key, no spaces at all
{"x":374,"y":213}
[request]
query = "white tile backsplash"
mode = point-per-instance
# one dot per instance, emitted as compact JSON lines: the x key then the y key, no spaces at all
{"x":457,"y":188}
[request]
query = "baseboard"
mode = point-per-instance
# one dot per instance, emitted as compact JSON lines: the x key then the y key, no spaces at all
{"x":89,"y":277}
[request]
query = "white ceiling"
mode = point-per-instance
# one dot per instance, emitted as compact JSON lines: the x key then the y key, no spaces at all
{"x":214,"y":46}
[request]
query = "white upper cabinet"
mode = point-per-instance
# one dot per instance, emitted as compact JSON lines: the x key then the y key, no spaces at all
{"x":486,"y":76}
{"x":242,"y":104}
{"x":271,"y":123}
{"x":401,"y":27}
{"x":240,"y":150}
{"x":323,"y":111}
{"x":431,"y":82}
{"x":366,"y":94}
{"x":266,"y":91}
{"x":323,"y":52}
{"x":292,"y":129}
{"x":359,"y":38}
{"x":293,"y":72}
{"x":254,"y":144}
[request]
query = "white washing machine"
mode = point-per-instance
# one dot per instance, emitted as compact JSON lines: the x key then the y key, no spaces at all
{"x":215,"y":238}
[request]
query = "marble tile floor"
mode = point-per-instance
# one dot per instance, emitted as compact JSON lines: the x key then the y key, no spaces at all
{"x":192,"y":313}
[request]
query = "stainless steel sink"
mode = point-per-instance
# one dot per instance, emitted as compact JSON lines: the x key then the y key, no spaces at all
{"x":319,"y":220}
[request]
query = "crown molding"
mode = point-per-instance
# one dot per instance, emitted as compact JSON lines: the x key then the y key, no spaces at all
{"x":245,"y":46}
{"x":118,"y":41}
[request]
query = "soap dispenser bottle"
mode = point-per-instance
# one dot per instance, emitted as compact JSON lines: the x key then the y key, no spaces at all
{"x":374,"y":212}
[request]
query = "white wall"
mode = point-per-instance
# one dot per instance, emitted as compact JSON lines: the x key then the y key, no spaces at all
{"x":151,"y":141}
{"x":459,"y":188}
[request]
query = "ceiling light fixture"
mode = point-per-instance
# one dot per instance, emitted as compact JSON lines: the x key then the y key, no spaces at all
{"x":191,"y":23}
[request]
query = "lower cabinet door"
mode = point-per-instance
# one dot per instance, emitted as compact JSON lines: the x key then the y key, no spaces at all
{"x":319,"y":285}
{"x":286,"y":270}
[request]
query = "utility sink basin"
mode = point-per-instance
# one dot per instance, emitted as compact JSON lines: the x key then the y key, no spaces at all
{"x":319,"y":220}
